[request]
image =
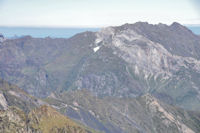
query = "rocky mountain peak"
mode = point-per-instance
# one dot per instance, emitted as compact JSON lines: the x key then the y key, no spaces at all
{"x":157,"y":53}
{"x":175,"y":38}
{"x":180,"y":29}
{"x":176,"y":24}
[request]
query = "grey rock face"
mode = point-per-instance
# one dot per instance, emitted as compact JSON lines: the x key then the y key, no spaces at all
{"x":176,"y":38}
{"x":124,"y":61}
{"x":134,"y":63}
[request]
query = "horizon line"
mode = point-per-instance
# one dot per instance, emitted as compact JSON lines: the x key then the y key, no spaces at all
{"x":35,"y":26}
{"x":80,"y":26}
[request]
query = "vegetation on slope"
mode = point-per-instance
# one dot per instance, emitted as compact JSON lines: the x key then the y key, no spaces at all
{"x":41,"y":120}
{"x":48,"y":120}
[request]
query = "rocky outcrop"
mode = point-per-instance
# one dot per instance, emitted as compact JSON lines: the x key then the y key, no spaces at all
{"x":3,"y":102}
{"x":11,"y":95}
{"x":167,"y":119}
{"x":13,"y":120}
{"x":41,"y":120}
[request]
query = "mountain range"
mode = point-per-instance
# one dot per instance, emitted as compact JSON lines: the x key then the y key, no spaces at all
{"x":131,"y":78}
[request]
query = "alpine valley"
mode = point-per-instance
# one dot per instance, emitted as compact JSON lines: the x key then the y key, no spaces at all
{"x":134,"y":78}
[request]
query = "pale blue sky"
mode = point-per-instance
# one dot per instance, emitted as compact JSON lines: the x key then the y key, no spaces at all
{"x":96,"y":13}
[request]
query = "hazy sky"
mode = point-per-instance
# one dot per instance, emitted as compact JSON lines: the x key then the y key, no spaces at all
{"x":95,"y":13}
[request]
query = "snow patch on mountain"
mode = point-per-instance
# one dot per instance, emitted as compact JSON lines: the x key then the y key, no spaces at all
{"x":96,"y":49}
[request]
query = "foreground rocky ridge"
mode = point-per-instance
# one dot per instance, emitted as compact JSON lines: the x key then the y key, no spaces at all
{"x":144,"y":114}
{"x":23,"y":113}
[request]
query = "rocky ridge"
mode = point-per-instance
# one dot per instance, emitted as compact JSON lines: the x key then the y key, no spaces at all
{"x":22,"y":113}
{"x":144,"y":114}
{"x":11,"y":95}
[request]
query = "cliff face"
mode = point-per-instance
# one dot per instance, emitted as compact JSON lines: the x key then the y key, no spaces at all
{"x":134,"y":59}
{"x":11,"y":95}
